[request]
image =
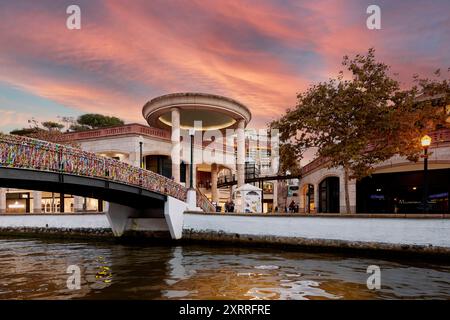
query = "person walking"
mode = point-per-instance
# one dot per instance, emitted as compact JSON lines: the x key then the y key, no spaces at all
{"x":292,"y":206}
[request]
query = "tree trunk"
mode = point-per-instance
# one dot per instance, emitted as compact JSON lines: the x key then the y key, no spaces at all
{"x":285,"y":192}
{"x":347,"y":196}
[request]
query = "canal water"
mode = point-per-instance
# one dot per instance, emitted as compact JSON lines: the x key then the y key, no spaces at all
{"x":37,"y":269}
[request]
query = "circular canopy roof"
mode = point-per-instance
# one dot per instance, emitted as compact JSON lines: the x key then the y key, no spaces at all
{"x":215,"y":112}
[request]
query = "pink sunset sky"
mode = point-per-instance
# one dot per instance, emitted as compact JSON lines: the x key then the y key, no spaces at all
{"x":259,"y":52}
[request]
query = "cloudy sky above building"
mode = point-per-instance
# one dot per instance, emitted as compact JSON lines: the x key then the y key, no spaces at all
{"x":261,"y":52}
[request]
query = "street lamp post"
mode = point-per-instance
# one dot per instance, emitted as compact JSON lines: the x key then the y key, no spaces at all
{"x":191,"y":167}
{"x":141,"y":162}
{"x":191,"y":197}
{"x":425,"y":142}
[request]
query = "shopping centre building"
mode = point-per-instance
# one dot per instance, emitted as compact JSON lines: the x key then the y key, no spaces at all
{"x":226,"y":154}
{"x":224,"y":150}
{"x":395,"y":186}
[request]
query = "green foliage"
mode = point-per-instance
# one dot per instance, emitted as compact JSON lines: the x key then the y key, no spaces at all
{"x":362,"y":119}
{"x":95,"y":121}
{"x":51,"y":130}
{"x":290,"y":161}
{"x":24,"y":131}
{"x":51,"y":125}
{"x":78,"y":127}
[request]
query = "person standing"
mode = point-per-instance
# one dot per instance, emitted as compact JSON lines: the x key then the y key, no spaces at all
{"x":231,"y":206}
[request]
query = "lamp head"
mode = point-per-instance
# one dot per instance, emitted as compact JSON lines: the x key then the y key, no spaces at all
{"x":425,"y":141}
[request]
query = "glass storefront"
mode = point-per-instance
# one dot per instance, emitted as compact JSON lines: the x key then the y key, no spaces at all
{"x":17,"y":202}
{"x":402,"y":192}
{"x":22,"y":201}
{"x":51,"y":202}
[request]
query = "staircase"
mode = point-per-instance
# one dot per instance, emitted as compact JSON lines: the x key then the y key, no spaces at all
{"x":204,"y":203}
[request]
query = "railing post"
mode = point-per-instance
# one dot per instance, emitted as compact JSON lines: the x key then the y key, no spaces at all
{"x":60,"y":164}
{"x":108,"y":172}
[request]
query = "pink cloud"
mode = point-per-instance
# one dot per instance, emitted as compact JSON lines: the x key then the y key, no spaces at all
{"x":251,"y":51}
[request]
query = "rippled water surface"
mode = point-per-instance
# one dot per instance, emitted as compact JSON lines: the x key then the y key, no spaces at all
{"x":36,"y":269}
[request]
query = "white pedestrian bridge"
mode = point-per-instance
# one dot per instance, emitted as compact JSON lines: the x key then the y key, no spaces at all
{"x":132,"y":192}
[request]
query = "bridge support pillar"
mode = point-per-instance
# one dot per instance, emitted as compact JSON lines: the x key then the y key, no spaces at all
{"x":122,"y":218}
{"x":118,"y":215}
{"x":174,"y":214}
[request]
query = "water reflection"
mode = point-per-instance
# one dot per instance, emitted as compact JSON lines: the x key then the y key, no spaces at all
{"x":36,"y":269}
{"x":298,"y":290}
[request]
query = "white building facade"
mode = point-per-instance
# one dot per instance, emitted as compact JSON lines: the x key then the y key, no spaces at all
{"x":396,"y":185}
{"x":216,"y":126}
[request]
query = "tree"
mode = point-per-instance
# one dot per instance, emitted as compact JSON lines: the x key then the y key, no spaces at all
{"x":360,"y":121}
{"x":46,"y":130}
{"x":51,"y":125}
{"x":290,"y":163}
{"x":77,"y":127}
{"x":23,"y":131}
{"x":95,"y":121}
{"x":288,"y":166}
{"x":51,"y":130}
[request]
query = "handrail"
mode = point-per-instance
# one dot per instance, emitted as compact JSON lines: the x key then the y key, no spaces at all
{"x":27,"y":153}
{"x":203,"y":202}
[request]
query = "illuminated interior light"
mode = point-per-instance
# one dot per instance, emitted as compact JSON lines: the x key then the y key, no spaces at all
{"x":16,"y":205}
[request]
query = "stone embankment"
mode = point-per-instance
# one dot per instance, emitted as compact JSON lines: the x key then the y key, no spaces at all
{"x":58,"y":232}
{"x":395,"y":234}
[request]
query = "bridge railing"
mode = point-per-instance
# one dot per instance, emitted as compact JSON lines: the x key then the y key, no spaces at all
{"x":26,"y":153}
{"x":203,"y":202}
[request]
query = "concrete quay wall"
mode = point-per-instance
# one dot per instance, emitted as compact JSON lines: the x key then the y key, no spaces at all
{"x":365,"y":232}
{"x":415,"y":234}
